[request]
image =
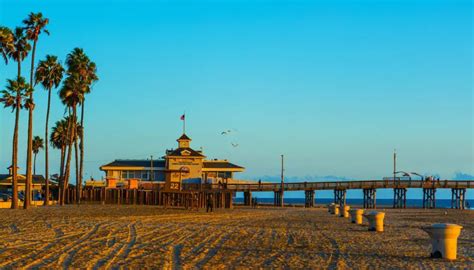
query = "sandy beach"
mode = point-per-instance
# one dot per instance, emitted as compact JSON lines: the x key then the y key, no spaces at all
{"x":94,"y":236}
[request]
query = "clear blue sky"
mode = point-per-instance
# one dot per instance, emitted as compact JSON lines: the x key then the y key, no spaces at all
{"x":334,"y":85}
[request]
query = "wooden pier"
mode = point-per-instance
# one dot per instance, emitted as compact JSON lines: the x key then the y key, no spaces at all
{"x":195,"y":196}
{"x":369,"y":187}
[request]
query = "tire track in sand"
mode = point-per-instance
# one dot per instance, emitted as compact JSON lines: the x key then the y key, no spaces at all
{"x":122,"y":251}
{"x":63,"y":252}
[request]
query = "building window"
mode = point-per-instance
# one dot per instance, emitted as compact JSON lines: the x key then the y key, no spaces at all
{"x":145,"y":175}
{"x":130,"y":174}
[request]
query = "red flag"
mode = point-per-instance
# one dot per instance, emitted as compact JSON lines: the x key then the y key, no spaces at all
{"x":183,"y":117}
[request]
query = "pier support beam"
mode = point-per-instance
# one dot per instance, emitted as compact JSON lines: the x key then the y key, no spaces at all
{"x":370,"y":198}
{"x":277,"y":199}
{"x":458,"y":196}
{"x":247,"y":198}
{"x":429,"y":197}
{"x":309,"y":198}
{"x":340,"y":196}
{"x":399,"y":198}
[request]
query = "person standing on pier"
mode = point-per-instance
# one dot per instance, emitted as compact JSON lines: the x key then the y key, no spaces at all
{"x":209,"y":204}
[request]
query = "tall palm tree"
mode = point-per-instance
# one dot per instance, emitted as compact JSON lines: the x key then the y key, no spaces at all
{"x":35,"y":24}
{"x":38,"y":144}
{"x":20,"y":50}
{"x":79,"y":63}
{"x":6,"y":42}
{"x":58,"y":140}
{"x":49,"y":73}
{"x":13,"y":97}
{"x":71,"y":95}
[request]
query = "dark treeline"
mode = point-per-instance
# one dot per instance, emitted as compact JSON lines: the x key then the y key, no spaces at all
{"x":74,"y":81}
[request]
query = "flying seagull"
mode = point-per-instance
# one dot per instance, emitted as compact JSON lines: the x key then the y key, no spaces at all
{"x":235,"y":144}
{"x":226,"y":132}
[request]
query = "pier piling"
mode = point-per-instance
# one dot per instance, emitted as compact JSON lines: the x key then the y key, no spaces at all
{"x":458,"y":196}
{"x":370,"y":198}
{"x":309,"y":198}
{"x":429,"y":198}
{"x":340,"y":196}
{"x":399,"y":198}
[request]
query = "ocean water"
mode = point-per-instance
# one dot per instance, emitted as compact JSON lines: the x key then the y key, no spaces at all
{"x":411,"y":203}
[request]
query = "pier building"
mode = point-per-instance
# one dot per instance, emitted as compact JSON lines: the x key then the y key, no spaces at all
{"x":177,"y":166}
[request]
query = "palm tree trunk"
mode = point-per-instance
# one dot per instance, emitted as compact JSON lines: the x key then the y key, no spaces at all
{"x":15,"y":148}
{"x":15,"y":155}
{"x":61,"y":174}
{"x":34,"y":165}
{"x":29,"y":151}
{"x":81,"y":145}
{"x":78,"y":182}
{"x":69,"y":151}
{"x":46,"y":160}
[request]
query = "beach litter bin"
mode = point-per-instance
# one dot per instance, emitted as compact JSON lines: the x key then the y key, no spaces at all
{"x":330,"y":210}
{"x":335,"y":209}
{"x":375,"y":219}
{"x":344,"y":211}
{"x":444,"y":240}
{"x":356,"y":215}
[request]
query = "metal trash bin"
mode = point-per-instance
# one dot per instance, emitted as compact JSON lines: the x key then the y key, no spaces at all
{"x":375,"y":219}
{"x":444,"y":240}
{"x":356,"y":215}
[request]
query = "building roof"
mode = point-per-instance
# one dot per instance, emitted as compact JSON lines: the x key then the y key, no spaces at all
{"x":184,"y":137}
{"x":188,"y":152}
{"x":37,"y":179}
{"x":135,"y":163}
{"x":220,"y":164}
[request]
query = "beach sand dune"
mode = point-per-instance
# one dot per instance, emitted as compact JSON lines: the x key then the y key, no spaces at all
{"x":97,"y":236}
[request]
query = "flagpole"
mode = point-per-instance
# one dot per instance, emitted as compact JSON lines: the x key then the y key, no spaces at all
{"x":184,"y":123}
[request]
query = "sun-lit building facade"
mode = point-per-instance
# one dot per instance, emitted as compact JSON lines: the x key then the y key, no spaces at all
{"x":179,"y":165}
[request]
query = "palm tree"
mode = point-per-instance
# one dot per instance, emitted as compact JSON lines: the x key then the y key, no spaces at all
{"x":60,"y":140}
{"x":14,"y":95}
{"x":6,"y":42}
{"x":18,"y":53}
{"x":35,"y":24}
{"x":79,"y":63}
{"x":21,"y":48}
{"x":49,"y":73}
{"x":38,"y":144}
{"x":71,"y":95}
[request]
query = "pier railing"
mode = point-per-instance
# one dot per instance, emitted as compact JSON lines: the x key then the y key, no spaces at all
{"x":363,"y":184}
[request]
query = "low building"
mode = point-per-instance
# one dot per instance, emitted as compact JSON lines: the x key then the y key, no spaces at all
{"x":183,"y":164}
{"x":38,"y":182}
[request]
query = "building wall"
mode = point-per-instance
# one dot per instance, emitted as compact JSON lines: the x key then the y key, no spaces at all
{"x":182,"y":168}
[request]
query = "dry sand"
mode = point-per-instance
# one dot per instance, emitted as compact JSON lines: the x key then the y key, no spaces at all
{"x":93,"y":236}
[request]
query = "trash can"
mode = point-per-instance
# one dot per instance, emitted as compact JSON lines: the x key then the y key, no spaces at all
{"x":334,"y":209}
{"x":375,"y":220}
{"x":344,"y":211}
{"x":330,"y":210}
{"x":356,"y":215}
{"x":444,"y":240}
